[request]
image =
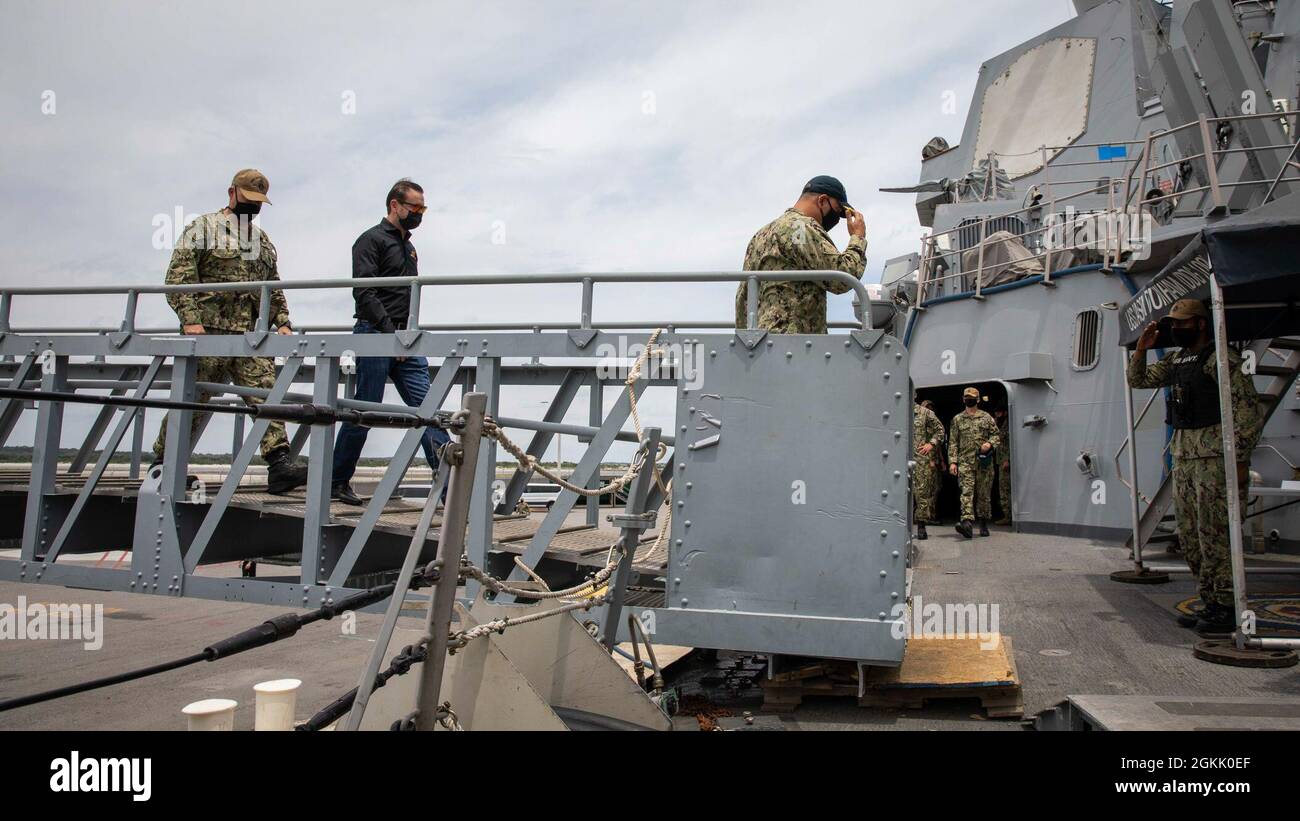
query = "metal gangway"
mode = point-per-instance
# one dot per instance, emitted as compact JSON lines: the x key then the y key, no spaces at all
{"x":784,"y":448}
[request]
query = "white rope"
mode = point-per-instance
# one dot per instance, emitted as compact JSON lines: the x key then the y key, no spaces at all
{"x":464,"y":637}
{"x":529,"y":463}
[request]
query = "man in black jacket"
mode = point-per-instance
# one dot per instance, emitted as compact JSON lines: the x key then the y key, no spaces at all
{"x":385,"y":251}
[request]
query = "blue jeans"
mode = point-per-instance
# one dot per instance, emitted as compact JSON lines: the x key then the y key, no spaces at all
{"x":411,"y":376}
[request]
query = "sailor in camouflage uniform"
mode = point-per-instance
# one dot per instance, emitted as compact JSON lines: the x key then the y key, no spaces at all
{"x":1200,"y":483}
{"x":797,"y":241}
{"x":225,"y":246}
{"x":927,"y":438}
{"x":1003,"y":460}
{"x":972,"y":437}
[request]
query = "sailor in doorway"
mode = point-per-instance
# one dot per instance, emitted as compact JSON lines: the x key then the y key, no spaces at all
{"x":1003,"y":460}
{"x":973,"y":435}
{"x":927,"y":439}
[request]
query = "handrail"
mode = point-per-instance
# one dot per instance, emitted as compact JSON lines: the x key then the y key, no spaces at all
{"x":264,"y":287}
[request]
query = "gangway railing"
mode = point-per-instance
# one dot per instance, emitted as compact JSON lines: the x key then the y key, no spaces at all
{"x":174,"y":538}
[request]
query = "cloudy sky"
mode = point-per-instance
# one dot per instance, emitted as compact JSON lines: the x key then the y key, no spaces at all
{"x":557,"y":136}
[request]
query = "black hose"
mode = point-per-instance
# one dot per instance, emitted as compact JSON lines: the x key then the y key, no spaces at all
{"x":304,"y":414}
{"x":335,"y":710}
{"x":73,"y":689}
{"x":121,"y":401}
{"x":268,"y":632}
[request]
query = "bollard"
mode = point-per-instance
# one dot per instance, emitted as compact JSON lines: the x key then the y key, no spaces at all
{"x":276,"y":701}
{"x":211,"y":714}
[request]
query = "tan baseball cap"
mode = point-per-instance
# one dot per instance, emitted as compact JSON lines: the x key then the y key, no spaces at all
{"x":1188,"y":308}
{"x":252,"y":184}
{"x":970,"y":392}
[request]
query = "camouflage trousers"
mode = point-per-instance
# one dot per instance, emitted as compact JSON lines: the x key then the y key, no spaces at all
{"x":1004,"y":489}
{"x":1201,"y":508}
{"x":248,"y":372}
{"x":925,"y":487}
{"x":976,"y":485}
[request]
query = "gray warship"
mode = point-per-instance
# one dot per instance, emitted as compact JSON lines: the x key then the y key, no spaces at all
{"x":1100,"y":165}
{"x":1112,"y":113}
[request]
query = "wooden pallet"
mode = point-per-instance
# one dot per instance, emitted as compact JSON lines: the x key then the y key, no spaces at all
{"x":932,"y":668}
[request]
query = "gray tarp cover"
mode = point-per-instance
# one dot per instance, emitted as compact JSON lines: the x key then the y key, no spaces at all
{"x":1255,"y":257}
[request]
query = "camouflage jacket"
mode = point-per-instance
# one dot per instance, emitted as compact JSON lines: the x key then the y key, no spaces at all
{"x":926,"y":429}
{"x":794,"y":242}
{"x":1004,"y":446}
{"x":211,"y":249}
{"x":967,"y":432}
{"x":1200,"y":443}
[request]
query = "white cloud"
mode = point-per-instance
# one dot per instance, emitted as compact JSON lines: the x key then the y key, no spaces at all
{"x":528,"y":116}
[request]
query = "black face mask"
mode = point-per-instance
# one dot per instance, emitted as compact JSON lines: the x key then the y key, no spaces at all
{"x":1185,"y":337}
{"x":970,"y":401}
{"x":830,"y":220}
{"x":246,"y":209}
{"x":411,"y":221}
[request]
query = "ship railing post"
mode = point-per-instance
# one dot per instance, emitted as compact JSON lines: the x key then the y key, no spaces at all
{"x":1211,"y":167}
{"x":413,"y":316}
{"x":128,"y":321}
{"x":487,"y":381}
{"x":451,"y":545}
{"x":1051,"y":204}
{"x":588,"y":298}
{"x":923,"y":273}
{"x":1230,"y":459}
{"x":595,"y":414}
{"x":264,"y":309}
{"x":632,"y":526}
{"x":1132,"y":463}
{"x":320,"y":466}
{"x":1108,"y":256}
{"x":979,"y":271}
{"x":751,"y":303}
{"x":45,"y":457}
{"x":137,"y":445}
{"x":238,"y":438}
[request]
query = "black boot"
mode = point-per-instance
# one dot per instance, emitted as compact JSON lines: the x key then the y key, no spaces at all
{"x":282,"y":473}
{"x":1216,"y":621}
{"x":921,"y":535}
{"x":964,"y":528}
{"x":344,"y":493}
{"x":1190,"y":620}
{"x":984,"y":527}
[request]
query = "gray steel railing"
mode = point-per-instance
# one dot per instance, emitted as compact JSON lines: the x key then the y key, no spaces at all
{"x":181,"y":535}
{"x":416,"y":284}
